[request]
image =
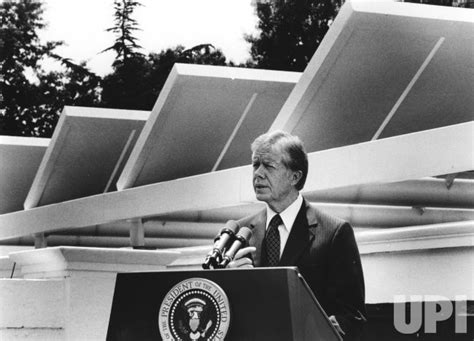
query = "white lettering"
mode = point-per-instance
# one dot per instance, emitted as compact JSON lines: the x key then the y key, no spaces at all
{"x":437,"y":309}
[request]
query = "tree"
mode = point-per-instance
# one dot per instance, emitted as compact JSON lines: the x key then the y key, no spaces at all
{"x":124,"y":88}
{"x":136,"y":80}
{"x":290,"y":32}
{"x":125,"y":45}
{"x":21,"y":53}
{"x":80,"y":86}
{"x":202,"y":54}
{"x":32,"y":99}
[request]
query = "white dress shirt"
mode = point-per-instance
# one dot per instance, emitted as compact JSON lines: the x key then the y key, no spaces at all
{"x":288,"y":216}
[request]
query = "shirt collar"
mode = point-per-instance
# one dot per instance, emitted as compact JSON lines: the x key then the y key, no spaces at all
{"x":288,"y":216}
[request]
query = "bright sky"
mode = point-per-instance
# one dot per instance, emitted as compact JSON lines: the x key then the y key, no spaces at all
{"x":81,"y":24}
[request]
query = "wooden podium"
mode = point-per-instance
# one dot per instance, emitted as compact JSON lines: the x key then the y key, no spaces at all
{"x":262,"y":304}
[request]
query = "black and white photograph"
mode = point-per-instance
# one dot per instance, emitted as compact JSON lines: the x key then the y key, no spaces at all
{"x":241,"y":170}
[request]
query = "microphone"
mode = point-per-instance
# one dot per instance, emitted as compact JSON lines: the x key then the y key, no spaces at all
{"x":225,"y":236}
{"x":241,"y":239}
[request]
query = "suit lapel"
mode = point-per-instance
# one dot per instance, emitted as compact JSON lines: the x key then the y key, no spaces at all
{"x":301,"y":236}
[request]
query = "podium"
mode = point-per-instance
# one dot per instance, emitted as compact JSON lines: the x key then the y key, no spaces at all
{"x":226,"y":304}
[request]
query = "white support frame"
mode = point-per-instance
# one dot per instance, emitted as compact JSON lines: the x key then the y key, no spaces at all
{"x":434,"y":236}
{"x":412,"y":156}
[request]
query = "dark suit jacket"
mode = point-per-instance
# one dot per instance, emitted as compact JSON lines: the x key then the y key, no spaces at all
{"x":325,"y":251}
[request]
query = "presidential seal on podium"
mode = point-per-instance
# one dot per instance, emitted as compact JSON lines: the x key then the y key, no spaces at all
{"x":194,"y":309}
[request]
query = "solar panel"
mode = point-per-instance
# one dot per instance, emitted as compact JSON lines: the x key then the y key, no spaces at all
{"x":205,"y":119}
{"x":20,"y":158}
{"x":87,"y":152}
{"x":384,"y":69}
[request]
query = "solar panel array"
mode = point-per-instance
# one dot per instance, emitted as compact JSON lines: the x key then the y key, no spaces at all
{"x":380,"y":72}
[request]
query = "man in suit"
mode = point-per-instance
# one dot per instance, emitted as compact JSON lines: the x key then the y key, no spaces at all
{"x":291,"y":232}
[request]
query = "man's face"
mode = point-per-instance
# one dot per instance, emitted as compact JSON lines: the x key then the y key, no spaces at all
{"x":273,"y":182}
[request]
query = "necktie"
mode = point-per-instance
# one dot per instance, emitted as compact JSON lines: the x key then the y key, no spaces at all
{"x":272,"y":241}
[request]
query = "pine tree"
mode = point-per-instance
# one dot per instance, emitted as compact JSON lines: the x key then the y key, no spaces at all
{"x":126,"y":44}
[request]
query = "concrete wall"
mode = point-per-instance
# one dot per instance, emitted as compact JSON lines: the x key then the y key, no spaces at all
{"x":447,"y":272}
{"x":32,"y":309}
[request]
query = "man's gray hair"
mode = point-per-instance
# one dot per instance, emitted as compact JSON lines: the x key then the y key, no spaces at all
{"x":294,"y":154}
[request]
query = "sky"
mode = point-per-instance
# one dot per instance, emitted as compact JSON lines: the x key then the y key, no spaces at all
{"x":82,"y":25}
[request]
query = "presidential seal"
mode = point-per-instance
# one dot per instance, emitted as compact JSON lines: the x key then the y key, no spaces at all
{"x":194,"y":309}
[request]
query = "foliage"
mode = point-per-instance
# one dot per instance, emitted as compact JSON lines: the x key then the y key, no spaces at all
{"x":125,"y":87}
{"x":125,"y":45}
{"x":136,"y":79}
{"x":32,"y":99}
{"x":21,"y":52}
{"x":290,"y":32}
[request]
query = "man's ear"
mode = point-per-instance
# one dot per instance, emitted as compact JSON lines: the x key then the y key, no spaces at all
{"x":296,"y":177}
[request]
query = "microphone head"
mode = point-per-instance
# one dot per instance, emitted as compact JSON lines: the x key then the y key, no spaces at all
{"x":241,"y":240}
{"x":231,"y":226}
{"x":222,"y":242}
{"x":245,"y":233}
